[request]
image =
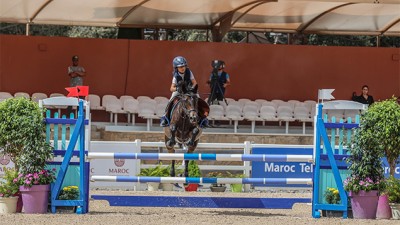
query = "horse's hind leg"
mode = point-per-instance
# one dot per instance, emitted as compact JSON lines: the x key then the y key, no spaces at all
{"x":170,"y":150}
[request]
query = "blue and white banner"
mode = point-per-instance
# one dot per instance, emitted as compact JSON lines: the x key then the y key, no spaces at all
{"x":294,"y":169}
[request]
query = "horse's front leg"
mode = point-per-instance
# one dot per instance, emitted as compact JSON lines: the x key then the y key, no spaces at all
{"x":186,"y":168}
{"x":172,"y":141}
{"x":195,"y":133}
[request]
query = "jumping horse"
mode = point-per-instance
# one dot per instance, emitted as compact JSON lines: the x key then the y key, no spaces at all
{"x":183,"y":127}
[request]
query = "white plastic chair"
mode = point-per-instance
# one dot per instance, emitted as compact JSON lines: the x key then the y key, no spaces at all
{"x":234,"y":113}
{"x":123,"y":98}
{"x":114,"y":108}
{"x":251,"y":113}
{"x":147,"y":110}
{"x":95,"y":102}
{"x":268,"y":113}
{"x":302,"y":114}
{"x":131,"y":107}
{"x":5,"y":95}
{"x":38,"y":96}
{"x":161,"y":99}
{"x":22,"y":95}
{"x":285,"y":113}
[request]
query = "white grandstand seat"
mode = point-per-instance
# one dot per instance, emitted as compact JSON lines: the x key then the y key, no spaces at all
{"x":131,"y":107}
{"x":244,"y":101}
{"x":293,"y":102}
{"x":160,"y":109}
{"x":234,"y":113}
{"x":230,"y":100}
{"x":142,"y":98}
{"x":22,"y":94}
{"x":56,"y":95}
{"x":223,"y":103}
{"x":291,"y":105}
{"x":251,"y":113}
{"x":38,"y":96}
{"x":268,"y":113}
{"x":310,"y":103}
{"x":302,"y":114}
{"x":260,"y":101}
{"x":114,"y":108}
{"x":106,"y":100}
{"x":161,"y":99}
{"x":95,"y":102}
{"x":5,"y":95}
{"x":217,"y":112}
{"x":268,"y":103}
{"x":277,"y":101}
{"x":147,"y":110}
{"x":123,"y":98}
{"x":252,"y":103}
{"x":285,"y":113}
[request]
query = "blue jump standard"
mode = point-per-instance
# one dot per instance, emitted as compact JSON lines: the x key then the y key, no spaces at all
{"x":201,"y":202}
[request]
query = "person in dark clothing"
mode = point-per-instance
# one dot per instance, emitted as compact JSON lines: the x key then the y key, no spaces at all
{"x":364,"y":98}
{"x":218,"y":81}
{"x":182,"y":73}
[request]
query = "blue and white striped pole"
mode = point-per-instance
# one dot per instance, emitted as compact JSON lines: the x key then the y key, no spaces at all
{"x":204,"y":180}
{"x":201,"y":157}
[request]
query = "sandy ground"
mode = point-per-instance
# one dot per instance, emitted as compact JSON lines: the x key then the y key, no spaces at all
{"x":102,"y":213}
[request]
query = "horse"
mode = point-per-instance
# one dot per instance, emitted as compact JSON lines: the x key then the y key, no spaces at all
{"x":183,"y":127}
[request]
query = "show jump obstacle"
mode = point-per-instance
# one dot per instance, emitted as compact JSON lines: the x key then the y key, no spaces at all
{"x":319,"y":160}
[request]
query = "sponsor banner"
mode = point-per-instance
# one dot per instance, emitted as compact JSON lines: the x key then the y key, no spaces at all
{"x":114,"y":167}
{"x":293,"y":169}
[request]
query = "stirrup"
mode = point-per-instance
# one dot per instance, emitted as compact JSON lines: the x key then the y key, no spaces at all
{"x":164,"y":122}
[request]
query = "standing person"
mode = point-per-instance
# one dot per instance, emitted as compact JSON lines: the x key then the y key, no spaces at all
{"x":76,"y":74}
{"x":219,"y":80}
{"x":364,"y":98}
{"x":181,"y":73}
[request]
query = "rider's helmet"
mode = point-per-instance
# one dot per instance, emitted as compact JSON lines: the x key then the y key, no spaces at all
{"x":75,"y":58}
{"x":178,"y":62}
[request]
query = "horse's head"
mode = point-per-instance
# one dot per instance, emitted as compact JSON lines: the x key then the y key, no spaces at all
{"x":190,"y":107}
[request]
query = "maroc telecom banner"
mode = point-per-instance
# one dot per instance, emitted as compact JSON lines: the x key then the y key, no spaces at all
{"x":291,"y":169}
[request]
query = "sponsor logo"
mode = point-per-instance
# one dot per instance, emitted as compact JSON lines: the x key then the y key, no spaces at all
{"x":119,"y":162}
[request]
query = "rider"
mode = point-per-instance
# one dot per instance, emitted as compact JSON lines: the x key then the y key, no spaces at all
{"x":181,"y":73}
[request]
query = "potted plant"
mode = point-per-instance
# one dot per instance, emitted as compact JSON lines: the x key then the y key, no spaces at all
{"x":22,"y":136}
{"x":393,"y":191}
{"x":8,"y":192}
{"x":236,"y":187}
{"x":69,"y":193}
{"x":217,"y":187}
{"x":376,"y":137}
{"x":332,"y":197}
{"x":193,"y":171}
{"x":157,"y":171}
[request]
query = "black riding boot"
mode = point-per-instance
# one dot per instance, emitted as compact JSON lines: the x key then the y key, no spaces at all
{"x":164,"y":121}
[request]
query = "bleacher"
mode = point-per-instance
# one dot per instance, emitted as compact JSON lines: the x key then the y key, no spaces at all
{"x":254,"y":115}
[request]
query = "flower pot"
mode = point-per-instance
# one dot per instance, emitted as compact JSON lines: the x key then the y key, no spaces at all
{"x":339,"y":214}
{"x":35,"y":198}
{"x":167,"y":187}
{"x":218,"y":188}
{"x":395,"y":210}
{"x":191,"y":187}
{"x":8,"y":205}
{"x":153,"y":186}
{"x":236,"y":187}
{"x":383,"y":211}
{"x":364,"y":204}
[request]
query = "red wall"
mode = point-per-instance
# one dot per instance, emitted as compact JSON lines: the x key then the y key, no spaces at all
{"x":132,"y":67}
